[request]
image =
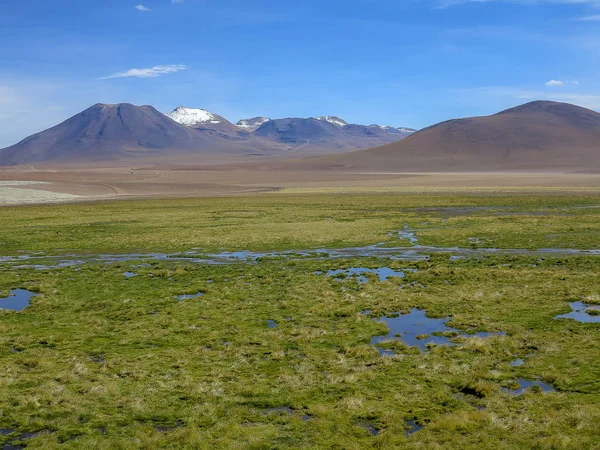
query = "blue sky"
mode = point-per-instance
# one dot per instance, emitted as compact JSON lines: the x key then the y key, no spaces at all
{"x":401,"y":62}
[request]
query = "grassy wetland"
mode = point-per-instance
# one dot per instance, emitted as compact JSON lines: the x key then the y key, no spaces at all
{"x":277,"y":350}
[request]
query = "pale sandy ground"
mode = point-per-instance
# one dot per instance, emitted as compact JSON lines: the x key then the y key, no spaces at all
{"x":24,"y":192}
{"x":60,"y":184}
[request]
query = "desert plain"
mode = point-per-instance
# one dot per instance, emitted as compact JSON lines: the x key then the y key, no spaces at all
{"x":53,"y":184}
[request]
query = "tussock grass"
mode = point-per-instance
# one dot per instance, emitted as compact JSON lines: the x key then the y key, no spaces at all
{"x":100,"y":361}
{"x":519,"y":219}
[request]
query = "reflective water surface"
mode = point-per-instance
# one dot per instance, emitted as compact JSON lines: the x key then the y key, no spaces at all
{"x":189,"y":296}
{"x":359,"y":272}
{"x":417,"y":330}
{"x":522,"y":386}
{"x":17,"y":300}
{"x":582,"y":312}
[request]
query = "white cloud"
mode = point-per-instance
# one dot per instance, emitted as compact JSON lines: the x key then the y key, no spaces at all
{"x":176,"y":2}
{"x":151,"y":72}
{"x":553,"y":83}
{"x":142,"y":8}
{"x":594,"y":18}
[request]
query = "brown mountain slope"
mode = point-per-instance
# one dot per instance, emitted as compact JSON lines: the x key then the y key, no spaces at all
{"x":541,"y":135}
{"x":112,"y":132}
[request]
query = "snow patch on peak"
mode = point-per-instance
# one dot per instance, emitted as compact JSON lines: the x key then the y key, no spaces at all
{"x":108,"y":105}
{"x":403,"y":130}
{"x":190,"y":117}
{"x":406,"y":130}
{"x":333,"y":120}
{"x":252,"y":124}
{"x":381,"y":127}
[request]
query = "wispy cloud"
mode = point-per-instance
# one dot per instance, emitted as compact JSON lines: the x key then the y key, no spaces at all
{"x":553,"y":83}
{"x":142,"y":8}
{"x":594,"y":18}
{"x":150,"y":72}
{"x":176,"y":2}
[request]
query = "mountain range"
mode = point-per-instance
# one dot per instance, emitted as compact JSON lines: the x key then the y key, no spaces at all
{"x":111,"y":132}
{"x":538,"y":136}
{"x":317,"y":134}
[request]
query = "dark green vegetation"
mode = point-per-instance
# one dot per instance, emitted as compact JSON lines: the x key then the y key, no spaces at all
{"x":273,"y":222}
{"x":276,"y":356}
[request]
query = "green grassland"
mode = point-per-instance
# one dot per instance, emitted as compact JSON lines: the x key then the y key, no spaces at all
{"x":100,"y":361}
{"x":273,"y":222}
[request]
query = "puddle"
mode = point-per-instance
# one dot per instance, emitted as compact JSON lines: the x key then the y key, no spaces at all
{"x":467,"y":395}
{"x":581,"y":313}
{"x":417,"y":330}
{"x":525,"y":385}
{"x":17,"y":300}
{"x":29,"y":435}
{"x":189,"y":296}
{"x":517,"y":363}
{"x":413,"y":428}
{"x":279,"y":411}
{"x":97,"y":358}
{"x":16,"y":444}
{"x":271,"y":324}
{"x":383,"y":273}
{"x":414,"y":252}
{"x":410,"y":235}
{"x":370,"y":427}
{"x":59,"y":265}
{"x":6,"y":431}
{"x":129,"y":274}
{"x":165,"y":429}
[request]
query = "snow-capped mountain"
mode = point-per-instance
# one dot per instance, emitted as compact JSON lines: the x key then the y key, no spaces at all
{"x":333,"y":120}
{"x":252,"y":124}
{"x":209,"y":123}
{"x":342,"y":123}
{"x":109,"y":132}
{"x":400,"y":130}
{"x":327,"y":133}
{"x":190,"y":116}
{"x":121,"y":131}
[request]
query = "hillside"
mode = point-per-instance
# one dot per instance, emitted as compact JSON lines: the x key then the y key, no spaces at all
{"x":540,"y":135}
{"x":111,"y":132}
{"x":123,"y":131}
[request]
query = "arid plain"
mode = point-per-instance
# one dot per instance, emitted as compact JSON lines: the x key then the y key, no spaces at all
{"x":49,"y":184}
